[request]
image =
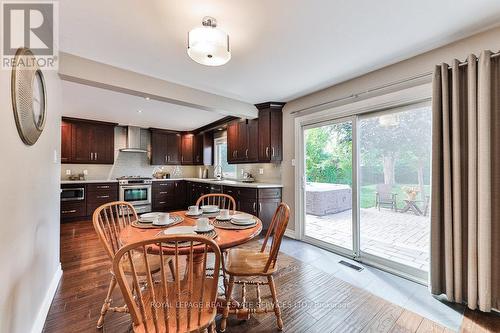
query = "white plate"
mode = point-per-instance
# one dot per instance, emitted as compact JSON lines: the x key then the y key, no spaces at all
{"x":220,"y":218}
{"x":170,"y":221}
{"x":210,"y":208}
{"x":191,"y":214}
{"x":182,"y":230}
{"x":145,"y":221}
{"x":247,"y":222}
{"x":150,"y":216}
{"x":210,"y":228}
{"x":242,"y":217}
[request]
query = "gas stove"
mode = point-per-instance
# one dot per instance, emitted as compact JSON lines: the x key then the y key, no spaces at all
{"x":137,"y":191}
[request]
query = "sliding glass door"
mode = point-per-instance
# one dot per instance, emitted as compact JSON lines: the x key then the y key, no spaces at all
{"x":366,"y":190}
{"x":328,"y":188}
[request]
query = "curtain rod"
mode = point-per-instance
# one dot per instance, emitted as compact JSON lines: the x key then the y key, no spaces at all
{"x":388,"y":85}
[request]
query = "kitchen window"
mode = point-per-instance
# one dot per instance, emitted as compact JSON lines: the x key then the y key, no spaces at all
{"x":228,"y":170}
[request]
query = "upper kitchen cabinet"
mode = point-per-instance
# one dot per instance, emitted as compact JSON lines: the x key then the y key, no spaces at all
{"x":187,"y":151}
{"x":166,"y":147}
{"x":197,"y":148}
{"x":270,"y":143}
{"x":242,"y":138}
{"x":87,"y":141}
{"x":66,"y":128}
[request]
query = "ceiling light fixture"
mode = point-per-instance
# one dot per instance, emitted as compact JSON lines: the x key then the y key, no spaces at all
{"x":139,"y":111}
{"x":208,"y":45}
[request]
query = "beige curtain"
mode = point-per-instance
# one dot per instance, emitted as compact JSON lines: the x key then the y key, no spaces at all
{"x":465,"y":215}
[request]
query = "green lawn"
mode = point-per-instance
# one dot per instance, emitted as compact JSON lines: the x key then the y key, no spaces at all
{"x":367,"y":195}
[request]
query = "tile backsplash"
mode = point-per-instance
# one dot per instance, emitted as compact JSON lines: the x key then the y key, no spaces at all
{"x":137,"y":164}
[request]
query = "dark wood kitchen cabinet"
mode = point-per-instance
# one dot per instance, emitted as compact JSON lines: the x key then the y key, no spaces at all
{"x":163,"y":196}
{"x":100,"y":193}
{"x":270,"y":137}
{"x":87,"y":141}
{"x":187,"y":149}
{"x":242,"y":138}
{"x":66,"y":128}
{"x":168,"y":195}
{"x":259,"y":202}
{"x":166,"y":147}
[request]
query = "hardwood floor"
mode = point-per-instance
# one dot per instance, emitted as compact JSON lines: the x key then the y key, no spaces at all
{"x":311,"y":300}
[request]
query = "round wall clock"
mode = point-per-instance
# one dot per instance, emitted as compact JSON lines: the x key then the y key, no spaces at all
{"x":29,"y":98}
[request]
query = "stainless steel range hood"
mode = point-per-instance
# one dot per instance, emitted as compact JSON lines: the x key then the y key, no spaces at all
{"x":134,"y":141}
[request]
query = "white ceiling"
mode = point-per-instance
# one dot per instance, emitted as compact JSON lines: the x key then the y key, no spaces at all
{"x":281,"y":49}
{"x":82,"y":101}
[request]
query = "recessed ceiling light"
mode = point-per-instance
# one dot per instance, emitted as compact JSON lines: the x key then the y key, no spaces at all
{"x":139,"y":111}
{"x":147,"y":98}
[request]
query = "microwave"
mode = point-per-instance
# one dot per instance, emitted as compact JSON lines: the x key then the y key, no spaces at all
{"x":73,"y":194}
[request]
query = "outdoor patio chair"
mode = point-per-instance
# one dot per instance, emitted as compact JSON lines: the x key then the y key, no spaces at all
{"x":384,"y":197}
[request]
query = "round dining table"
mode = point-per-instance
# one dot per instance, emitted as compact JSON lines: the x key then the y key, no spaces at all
{"x":226,"y":238}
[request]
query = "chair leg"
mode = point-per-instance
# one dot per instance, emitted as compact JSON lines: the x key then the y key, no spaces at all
{"x":172,"y":268}
{"x":277,"y":310}
{"x":229,"y":291}
{"x":224,"y":277}
{"x":107,"y":302}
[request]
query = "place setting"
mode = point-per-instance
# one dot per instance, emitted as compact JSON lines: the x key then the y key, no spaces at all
{"x":236,"y":222}
{"x":203,"y":211}
{"x":202,"y":228}
{"x":156,"y":220}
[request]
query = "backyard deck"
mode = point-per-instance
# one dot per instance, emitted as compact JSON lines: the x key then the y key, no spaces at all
{"x":401,"y":237}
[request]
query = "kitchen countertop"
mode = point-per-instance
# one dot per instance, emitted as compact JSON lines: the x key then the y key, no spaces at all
{"x":199,"y":180}
{"x":88,"y":181}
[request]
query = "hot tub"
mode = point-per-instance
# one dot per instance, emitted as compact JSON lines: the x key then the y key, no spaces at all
{"x":323,"y":198}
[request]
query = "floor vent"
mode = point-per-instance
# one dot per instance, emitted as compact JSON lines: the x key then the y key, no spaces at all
{"x":348,"y":264}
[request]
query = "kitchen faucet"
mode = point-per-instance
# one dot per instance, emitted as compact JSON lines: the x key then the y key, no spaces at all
{"x":218,"y":172}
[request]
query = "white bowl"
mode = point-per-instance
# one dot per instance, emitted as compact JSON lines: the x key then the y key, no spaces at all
{"x":210,"y":208}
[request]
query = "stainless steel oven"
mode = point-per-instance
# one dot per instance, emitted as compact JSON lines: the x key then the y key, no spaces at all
{"x":136,"y":191}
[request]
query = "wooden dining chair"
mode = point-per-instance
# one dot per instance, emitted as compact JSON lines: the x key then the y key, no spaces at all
{"x":184,"y":303}
{"x":252,"y":263}
{"x":109,"y":220}
{"x":223,"y":201}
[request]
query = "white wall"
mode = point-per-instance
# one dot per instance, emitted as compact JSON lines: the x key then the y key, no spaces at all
{"x":405,"y":69}
{"x":29,"y":202}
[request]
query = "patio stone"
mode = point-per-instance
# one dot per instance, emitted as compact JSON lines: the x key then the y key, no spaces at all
{"x":402,"y":237}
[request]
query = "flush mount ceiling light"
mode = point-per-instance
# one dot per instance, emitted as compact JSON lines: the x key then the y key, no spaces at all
{"x":208,"y":45}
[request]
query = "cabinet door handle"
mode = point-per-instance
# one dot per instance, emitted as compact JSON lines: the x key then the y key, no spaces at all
{"x":162,"y":202}
{"x":91,"y":156}
{"x":166,"y":160}
{"x":246,"y":153}
{"x":260,"y":207}
{"x":103,"y":186}
{"x":69,"y":211}
{"x":96,"y":156}
{"x":182,"y":158}
{"x":164,"y":192}
{"x":102,"y":196}
{"x":176,"y":184}
{"x":254,"y":207}
{"x":267,"y":151}
{"x":272,"y":151}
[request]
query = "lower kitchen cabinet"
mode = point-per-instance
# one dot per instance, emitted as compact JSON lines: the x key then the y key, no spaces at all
{"x":168,"y":195}
{"x":99,"y":194}
{"x":95,"y":195}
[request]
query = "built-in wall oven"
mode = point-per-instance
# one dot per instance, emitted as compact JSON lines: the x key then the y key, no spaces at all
{"x":137,"y":191}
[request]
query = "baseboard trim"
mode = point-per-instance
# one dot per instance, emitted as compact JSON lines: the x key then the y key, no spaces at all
{"x":47,"y":301}
{"x":290,"y":233}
